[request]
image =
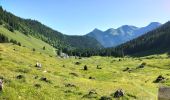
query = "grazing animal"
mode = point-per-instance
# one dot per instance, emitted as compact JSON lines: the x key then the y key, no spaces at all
{"x":1,"y":85}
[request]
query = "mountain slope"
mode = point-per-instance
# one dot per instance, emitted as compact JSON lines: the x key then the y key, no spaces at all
{"x":113,"y":37}
{"x":40,"y":31}
{"x":156,"y":41}
{"x":28,"y":41}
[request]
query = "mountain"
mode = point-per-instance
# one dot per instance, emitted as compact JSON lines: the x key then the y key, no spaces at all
{"x":113,"y":37}
{"x":154,"y":42}
{"x":37,"y":30}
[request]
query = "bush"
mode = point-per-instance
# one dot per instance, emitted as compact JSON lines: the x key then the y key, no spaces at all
{"x":9,"y":28}
{"x":3,"y":38}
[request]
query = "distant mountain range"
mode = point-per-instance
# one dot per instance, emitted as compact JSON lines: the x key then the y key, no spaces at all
{"x":154,"y":42}
{"x":114,"y":37}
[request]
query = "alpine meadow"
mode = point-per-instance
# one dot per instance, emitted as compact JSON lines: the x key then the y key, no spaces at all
{"x":38,"y":62}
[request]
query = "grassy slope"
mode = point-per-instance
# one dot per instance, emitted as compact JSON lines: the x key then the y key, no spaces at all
{"x":138,"y":83}
{"x":28,"y":41}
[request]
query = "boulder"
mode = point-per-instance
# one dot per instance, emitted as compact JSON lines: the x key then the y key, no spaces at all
{"x":159,"y":79}
{"x":70,"y":85}
{"x":119,"y":93}
{"x":38,"y":65}
{"x":98,"y":67}
{"x":105,"y":98}
{"x":92,"y":78}
{"x":1,"y":84}
{"x":85,"y":67}
{"x":142,"y":65}
{"x":74,"y":74}
{"x":126,"y":69}
{"x":20,"y":77}
{"x":77,"y":63}
{"x":91,"y":94}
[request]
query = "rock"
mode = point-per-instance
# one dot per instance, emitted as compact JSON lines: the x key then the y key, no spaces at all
{"x":126,"y":69}
{"x":77,"y":63}
{"x":1,"y":84}
{"x":85,"y":67}
{"x":92,"y":78}
{"x":38,"y":65}
{"x":45,"y":79}
{"x":70,"y":85}
{"x":105,"y":98}
{"x":36,"y":77}
{"x":142,"y":65}
{"x":119,"y":93}
{"x":160,"y":78}
{"x":20,"y":77}
{"x":37,"y":85}
{"x":64,"y":55}
{"x":64,"y":66}
{"x":98,"y":67}
{"x":74,"y":74}
{"x":91,"y":94}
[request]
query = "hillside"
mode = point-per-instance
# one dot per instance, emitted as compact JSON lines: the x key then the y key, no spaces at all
{"x":114,"y":37}
{"x":28,"y":41}
{"x":154,"y":42}
{"x":67,"y":80}
{"x":40,"y":31}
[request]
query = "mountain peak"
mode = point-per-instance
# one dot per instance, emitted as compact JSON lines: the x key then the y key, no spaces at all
{"x":154,"y":24}
{"x":96,"y":30}
{"x":126,"y":27}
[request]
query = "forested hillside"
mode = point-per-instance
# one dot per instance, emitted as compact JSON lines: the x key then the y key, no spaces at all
{"x":40,"y":31}
{"x":153,"y":42}
{"x":156,"y":41}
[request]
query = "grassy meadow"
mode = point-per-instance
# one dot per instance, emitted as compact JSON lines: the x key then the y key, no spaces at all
{"x":67,"y":80}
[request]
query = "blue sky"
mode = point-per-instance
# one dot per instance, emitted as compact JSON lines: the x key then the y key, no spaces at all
{"x":78,"y":17}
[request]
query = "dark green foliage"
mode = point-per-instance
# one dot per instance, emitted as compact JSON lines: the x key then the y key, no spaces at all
{"x":1,"y":23}
{"x":15,"y":42}
{"x":3,"y":39}
{"x":10,"y":28}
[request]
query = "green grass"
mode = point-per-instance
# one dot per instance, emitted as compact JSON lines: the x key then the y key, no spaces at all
{"x":137,"y":85}
{"x":28,"y":41}
{"x":20,"y":60}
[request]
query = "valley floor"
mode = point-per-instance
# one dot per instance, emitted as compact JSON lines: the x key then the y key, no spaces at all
{"x":66,"y":79}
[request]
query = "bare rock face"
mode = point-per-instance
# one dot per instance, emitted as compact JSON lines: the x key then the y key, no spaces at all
{"x":1,"y":85}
